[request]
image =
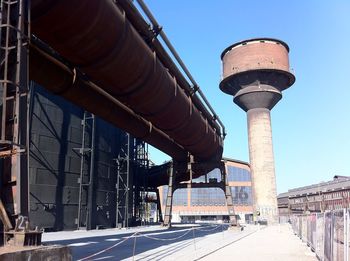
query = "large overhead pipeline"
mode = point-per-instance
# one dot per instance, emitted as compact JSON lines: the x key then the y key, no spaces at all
{"x":97,"y":37}
{"x":60,"y":79}
{"x":150,"y":36}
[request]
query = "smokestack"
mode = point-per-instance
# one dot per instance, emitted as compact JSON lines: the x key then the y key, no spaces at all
{"x":256,"y":72}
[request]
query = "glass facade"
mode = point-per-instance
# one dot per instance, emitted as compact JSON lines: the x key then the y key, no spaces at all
{"x":207,"y":197}
{"x":180,"y":197}
{"x":214,"y":174}
{"x":199,"y":197}
{"x":237,"y":174}
{"x":242,"y":195}
{"x":164,"y":194}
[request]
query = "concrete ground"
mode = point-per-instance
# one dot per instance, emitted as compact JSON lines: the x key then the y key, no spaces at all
{"x":184,"y":242}
{"x":270,"y":243}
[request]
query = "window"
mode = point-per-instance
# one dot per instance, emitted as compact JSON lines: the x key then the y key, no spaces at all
{"x":214,"y":174}
{"x":180,"y":197}
{"x":207,"y":197}
{"x":237,"y":174}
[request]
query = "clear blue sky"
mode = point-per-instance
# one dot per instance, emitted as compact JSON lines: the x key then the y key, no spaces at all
{"x":311,"y":124}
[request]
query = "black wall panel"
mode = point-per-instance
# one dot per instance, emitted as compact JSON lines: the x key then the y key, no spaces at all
{"x":56,"y":129}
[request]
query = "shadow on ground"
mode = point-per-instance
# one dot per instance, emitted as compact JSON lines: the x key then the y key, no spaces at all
{"x":168,"y":241}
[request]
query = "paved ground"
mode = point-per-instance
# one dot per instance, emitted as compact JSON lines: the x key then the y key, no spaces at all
{"x":271,"y":243}
{"x":184,"y":242}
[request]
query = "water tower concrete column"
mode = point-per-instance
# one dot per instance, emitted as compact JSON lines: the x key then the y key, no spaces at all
{"x":256,"y":72}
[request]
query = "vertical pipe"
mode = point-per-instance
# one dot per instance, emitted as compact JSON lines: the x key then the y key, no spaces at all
{"x":29,"y":108}
{"x":19,"y":160}
{"x":324,"y":238}
{"x":332,"y":234}
{"x":262,"y":162}
{"x":2,"y":93}
{"x":82,"y":155}
{"x":344,"y":233}
{"x":127,"y":181}
{"x":91,"y":219}
{"x":28,"y":129}
{"x":347,"y":238}
{"x":117,"y":197}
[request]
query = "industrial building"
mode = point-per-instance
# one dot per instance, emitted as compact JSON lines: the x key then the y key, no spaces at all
{"x":316,"y":198}
{"x":81,"y":97}
{"x":76,"y":115}
{"x":201,"y":201}
{"x":68,"y":145}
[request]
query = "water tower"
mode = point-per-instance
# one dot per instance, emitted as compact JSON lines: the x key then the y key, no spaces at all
{"x":256,"y":72}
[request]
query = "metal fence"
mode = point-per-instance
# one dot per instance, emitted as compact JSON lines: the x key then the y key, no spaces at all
{"x":327,"y":234}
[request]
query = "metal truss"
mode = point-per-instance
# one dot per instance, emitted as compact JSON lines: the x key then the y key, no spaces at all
{"x":86,"y":178}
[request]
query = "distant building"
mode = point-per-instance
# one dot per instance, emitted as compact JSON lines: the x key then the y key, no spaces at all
{"x":209,"y":204}
{"x":330,"y":195}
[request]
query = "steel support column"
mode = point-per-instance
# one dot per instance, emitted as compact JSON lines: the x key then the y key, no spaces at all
{"x":159,"y":208}
{"x":14,"y":133}
{"x":91,"y":223}
{"x":228,"y":196}
{"x":123,"y":173}
{"x":14,"y":112}
{"x":169,"y":198}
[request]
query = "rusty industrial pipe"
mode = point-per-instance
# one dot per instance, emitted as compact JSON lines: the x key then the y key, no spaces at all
{"x":97,"y":37}
{"x":60,"y":79}
{"x":142,"y":26}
